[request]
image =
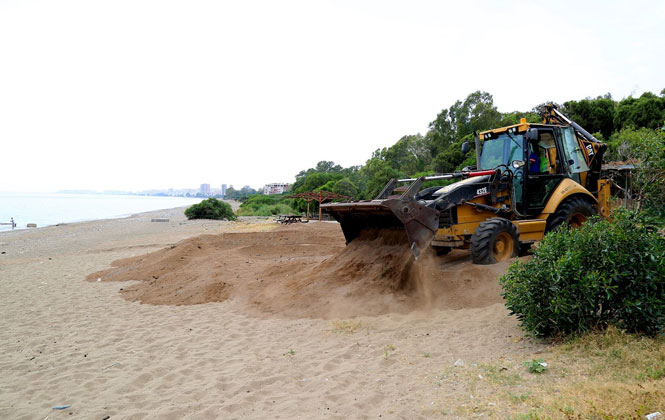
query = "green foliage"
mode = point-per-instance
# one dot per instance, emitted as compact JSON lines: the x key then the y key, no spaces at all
{"x":257,"y":201}
{"x":476,"y":113}
{"x":211,"y":208}
{"x":536,"y":366}
{"x":345,"y":187}
{"x":646,"y":148}
{"x":328,"y":186}
{"x":273,"y":210}
{"x":595,"y":115}
{"x":312,"y":178}
{"x":647,"y":111}
{"x":604,"y":273}
{"x":241,"y":194}
{"x":409,"y":155}
{"x":377,"y":172}
{"x":265,"y":205}
{"x":512,"y":118}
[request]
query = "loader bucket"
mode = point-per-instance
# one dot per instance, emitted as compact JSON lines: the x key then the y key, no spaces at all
{"x":419,"y":222}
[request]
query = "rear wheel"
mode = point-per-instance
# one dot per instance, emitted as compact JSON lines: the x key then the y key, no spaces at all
{"x":493,"y":241}
{"x":573,"y":212}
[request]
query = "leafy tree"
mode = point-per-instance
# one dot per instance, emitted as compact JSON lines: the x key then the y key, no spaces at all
{"x":595,"y":115}
{"x":409,"y":155}
{"x":452,"y":158}
{"x":515,"y":117}
{"x":211,"y":208}
{"x":328,"y":166}
{"x":645,"y":148}
{"x":646,"y":111}
{"x":242,"y":194}
{"x":345,"y":187}
{"x":314,"y":180}
{"x":442,"y":132}
{"x":476,"y":113}
{"x":377,"y":172}
{"x":328,"y":186}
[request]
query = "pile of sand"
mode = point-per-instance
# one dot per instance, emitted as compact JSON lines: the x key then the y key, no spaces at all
{"x":306,"y":271}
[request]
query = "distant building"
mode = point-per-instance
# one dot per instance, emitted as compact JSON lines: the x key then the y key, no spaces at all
{"x":276,"y":188}
{"x":223,"y":190}
{"x":205,"y":189}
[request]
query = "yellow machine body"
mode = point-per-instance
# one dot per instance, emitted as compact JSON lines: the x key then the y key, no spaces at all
{"x":528,"y":180}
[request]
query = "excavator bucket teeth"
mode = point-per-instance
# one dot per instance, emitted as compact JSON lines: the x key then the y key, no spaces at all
{"x":419,"y":222}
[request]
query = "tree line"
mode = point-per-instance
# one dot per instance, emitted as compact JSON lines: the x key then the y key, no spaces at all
{"x":621,"y":124}
{"x":439,"y":149}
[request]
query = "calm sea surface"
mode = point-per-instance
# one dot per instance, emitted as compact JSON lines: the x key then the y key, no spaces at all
{"x":51,"y":209}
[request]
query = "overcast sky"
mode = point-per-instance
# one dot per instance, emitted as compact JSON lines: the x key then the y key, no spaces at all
{"x":133,"y":95}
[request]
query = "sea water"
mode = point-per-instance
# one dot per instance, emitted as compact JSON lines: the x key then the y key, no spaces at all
{"x":53,"y":208}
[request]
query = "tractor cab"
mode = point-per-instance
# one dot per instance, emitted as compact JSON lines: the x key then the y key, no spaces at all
{"x":538,"y":156}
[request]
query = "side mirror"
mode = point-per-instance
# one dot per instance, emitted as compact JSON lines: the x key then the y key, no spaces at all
{"x":517,"y":164}
{"x":466,"y":147}
{"x":532,"y":134}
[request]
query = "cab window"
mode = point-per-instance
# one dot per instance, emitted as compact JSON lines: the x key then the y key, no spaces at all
{"x":501,"y":151}
{"x":573,"y":152}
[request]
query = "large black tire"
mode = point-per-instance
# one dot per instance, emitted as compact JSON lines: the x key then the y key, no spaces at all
{"x":493,"y":241}
{"x":572,"y":212}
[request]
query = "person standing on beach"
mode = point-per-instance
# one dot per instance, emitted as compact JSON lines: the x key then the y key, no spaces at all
{"x":13,"y":223}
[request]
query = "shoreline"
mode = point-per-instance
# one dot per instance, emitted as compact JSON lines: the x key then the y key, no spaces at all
{"x":155,"y":213}
{"x":55,"y":209}
{"x":105,"y":219}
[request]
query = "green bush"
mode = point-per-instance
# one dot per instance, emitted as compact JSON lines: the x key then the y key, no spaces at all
{"x":273,"y":210}
{"x":604,"y":273}
{"x":252,"y":204}
{"x":256,"y":201}
{"x":211,"y":208}
{"x":262,"y":205}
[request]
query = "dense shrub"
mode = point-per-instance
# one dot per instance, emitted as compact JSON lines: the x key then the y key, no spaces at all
{"x":604,"y":273}
{"x":265,"y":205}
{"x":211,"y":208}
{"x":274,"y":210}
{"x":252,"y":204}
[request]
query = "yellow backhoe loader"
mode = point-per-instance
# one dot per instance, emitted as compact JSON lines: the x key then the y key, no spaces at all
{"x":529,"y":179}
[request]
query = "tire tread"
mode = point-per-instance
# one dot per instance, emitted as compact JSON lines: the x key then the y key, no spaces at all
{"x":481,"y":246}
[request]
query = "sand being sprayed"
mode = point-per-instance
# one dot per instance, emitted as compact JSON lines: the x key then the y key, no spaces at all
{"x":306,"y":271}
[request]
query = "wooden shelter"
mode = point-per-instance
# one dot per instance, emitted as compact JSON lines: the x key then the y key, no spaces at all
{"x":319,"y":197}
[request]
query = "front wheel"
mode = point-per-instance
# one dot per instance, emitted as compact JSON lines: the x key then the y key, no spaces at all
{"x":494,"y":240}
{"x":573,"y":212}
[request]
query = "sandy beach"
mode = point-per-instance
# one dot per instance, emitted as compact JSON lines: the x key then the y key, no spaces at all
{"x":263,"y":329}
